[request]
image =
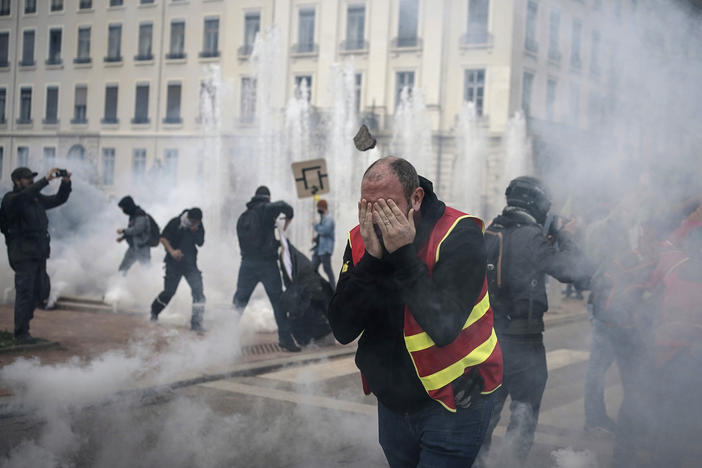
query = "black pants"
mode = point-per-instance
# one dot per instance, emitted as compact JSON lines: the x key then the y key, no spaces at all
{"x":252,"y":272}
{"x":524,"y":380}
{"x":174,"y":272}
{"x":133,"y":255}
{"x":325,"y":260}
{"x":31,"y":289}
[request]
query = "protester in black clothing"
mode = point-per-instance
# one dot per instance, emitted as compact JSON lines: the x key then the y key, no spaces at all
{"x":136,"y":234}
{"x":181,"y":237}
{"x":520,"y":255}
{"x":390,"y":280}
{"x":25,"y":225}
{"x":259,"y":257}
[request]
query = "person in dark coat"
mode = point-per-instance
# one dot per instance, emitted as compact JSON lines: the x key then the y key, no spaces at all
{"x":259,"y":258}
{"x":25,"y":226}
{"x":136,"y":234}
{"x":181,"y":237}
{"x":528,"y":255}
{"x":420,"y":317}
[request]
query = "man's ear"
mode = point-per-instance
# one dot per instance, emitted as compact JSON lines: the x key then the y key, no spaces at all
{"x":416,"y":199}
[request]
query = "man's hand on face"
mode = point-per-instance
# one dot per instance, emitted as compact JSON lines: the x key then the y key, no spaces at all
{"x":370,"y":238}
{"x":398,"y":230}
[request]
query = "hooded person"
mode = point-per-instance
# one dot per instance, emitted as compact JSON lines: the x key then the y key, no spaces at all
{"x":255,"y":230}
{"x":181,"y":237}
{"x":137,"y":234}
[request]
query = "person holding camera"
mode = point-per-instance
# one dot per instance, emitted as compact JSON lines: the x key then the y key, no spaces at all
{"x":524,"y":244}
{"x":26,"y":228}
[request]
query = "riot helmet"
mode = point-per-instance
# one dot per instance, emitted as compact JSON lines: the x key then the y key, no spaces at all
{"x":530,"y":194}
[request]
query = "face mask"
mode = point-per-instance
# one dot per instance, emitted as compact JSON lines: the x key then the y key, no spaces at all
{"x":320,"y":212}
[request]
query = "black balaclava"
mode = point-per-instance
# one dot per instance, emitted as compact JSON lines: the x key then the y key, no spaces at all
{"x":127,"y":204}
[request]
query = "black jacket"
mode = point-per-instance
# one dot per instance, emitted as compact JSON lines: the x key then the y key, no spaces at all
{"x":269,"y":212}
{"x":528,"y":256}
{"x":185,"y":240}
{"x":28,"y":234}
{"x":371,"y":295}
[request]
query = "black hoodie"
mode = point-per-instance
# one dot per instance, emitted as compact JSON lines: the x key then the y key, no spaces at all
{"x":370,"y":297}
{"x":268,"y":212}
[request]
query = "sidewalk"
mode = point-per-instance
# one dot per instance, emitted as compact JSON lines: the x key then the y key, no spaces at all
{"x":89,"y":332}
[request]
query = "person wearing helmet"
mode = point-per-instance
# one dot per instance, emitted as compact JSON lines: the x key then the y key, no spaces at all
{"x":520,"y":253}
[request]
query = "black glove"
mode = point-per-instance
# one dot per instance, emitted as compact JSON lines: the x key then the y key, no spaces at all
{"x":467,"y":388}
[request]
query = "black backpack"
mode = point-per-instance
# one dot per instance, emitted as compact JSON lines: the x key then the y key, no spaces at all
{"x":495,"y":240}
{"x":154,"y":232}
{"x":249,"y":230}
{"x":4,"y":221}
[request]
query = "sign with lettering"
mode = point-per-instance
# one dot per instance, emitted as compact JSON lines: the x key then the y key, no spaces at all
{"x":311,"y":177}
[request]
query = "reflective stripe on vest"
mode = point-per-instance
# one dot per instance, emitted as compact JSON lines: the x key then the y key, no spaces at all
{"x":476,"y":344}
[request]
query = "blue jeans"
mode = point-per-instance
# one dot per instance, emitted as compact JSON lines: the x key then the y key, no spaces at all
{"x":433,"y":436}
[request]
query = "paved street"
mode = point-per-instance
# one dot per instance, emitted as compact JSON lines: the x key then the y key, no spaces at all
{"x":310,"y":415}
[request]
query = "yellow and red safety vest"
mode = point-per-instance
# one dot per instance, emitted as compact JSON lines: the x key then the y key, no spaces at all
{"x":476,"y":344}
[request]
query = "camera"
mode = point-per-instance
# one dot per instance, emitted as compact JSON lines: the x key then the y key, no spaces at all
{"x":61,"y":173}
{"x":554,"y":224}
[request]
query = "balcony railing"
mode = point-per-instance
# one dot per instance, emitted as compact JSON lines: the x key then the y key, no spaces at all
{"x":79,"y":121}
{"x":50,"y":121}
{"x":406,"y":43}
{"x":175,"y":55}
{"x":24,"y":121}
{"x":141,"y":120}
{"x":144,"y":57}
{"x":109,"y":120}
{"x":531,"y":45}
{"x":476,"y":39}
{"x":4,"y":63}
{"x":27,"y":63}
{"x":355,"y":45}
{"x":54,"y":61}
{"x":209,"y":54}
{"x":304,"y":49}
{"x":82,"y":60}
{"x":245,"y":50}
{"x":173,"y":120}
{"x":113,"y":58}
{"x":554,"y":56}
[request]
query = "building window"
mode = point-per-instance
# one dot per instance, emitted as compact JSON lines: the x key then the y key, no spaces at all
{"x":27,"y":48}
{"x":30,"y":6}
{"x":4,"y":49}
{"x":551,"y":86}
{"x":357,"y":89}
{"x":407,"y":23}
{"x":530,"y":43}
{"x":474,"y":89}
{"x":247,"y":110}
{"x":527,"y":88}
{"x":4,"y":7}
{"x":554,"y":26}
{"x":575,"y":60}
{"x":305,"y":30}
{"x":170,"y":163}
{"x":56,"y":5}
{"x":52,"y":95}
{"x":3,"y":102}
{"x":210,"y":40}
{"x":177,"y":40}
{"x":85,"y":4}
{"x":355,"y":27}
{"x":111,"y":94}
{"x":114,"y":43}
{"x":146,"y":31}
{"x":108,"y":166}
{"x":80,"y":108}
{"x":138,"y":164}
{"x":595,"y":54}
{"x":54,"y":47}
{"x":49,"y":157}
{"x":114,"y":3}
{"x":23,"y":156}
{"x":303,"y":87}
{"x":477,"y":32}
{"x":173,"y":103}
{"x":25,"y":115}
{"x":252,"y":25}
{"x":403,"y":80}
{"x":141,"y":106}
{"x":2,"y":159}
{"x":83,"y":55}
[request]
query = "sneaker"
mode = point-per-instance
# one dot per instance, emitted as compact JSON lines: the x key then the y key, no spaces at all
{"x":25,"y":339}
{"x":289,"y":345}
{"x":154,"y":317}
{"x":196,"y":327}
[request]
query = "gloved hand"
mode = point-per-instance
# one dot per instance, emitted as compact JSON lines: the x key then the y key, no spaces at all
{"x":467,"y":388}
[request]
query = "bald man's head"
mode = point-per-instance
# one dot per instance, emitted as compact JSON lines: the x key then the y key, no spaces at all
{"x":391,"y":167}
